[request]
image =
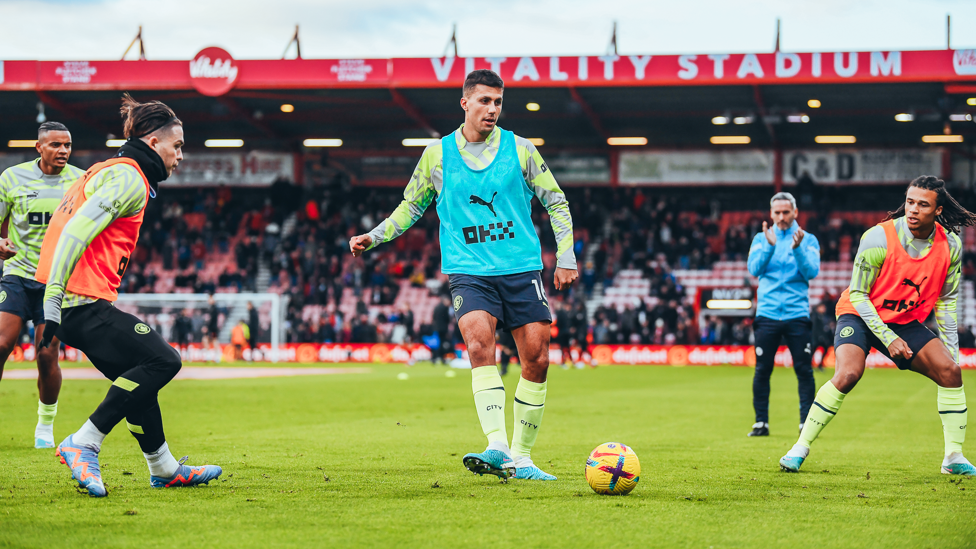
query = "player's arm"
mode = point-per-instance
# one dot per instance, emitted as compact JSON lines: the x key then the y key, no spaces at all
{"x":419,"y":193}
{"x":543,"y":185}
{"x":6,"y":182}
{"x":120,"y":185}
{"x":760,"y":253}
{"x":807,"y":256}
{"x":945,"y":307}
{"x":870,"y":257}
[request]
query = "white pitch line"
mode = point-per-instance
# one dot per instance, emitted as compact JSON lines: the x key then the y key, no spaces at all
{"x":199,"y":372}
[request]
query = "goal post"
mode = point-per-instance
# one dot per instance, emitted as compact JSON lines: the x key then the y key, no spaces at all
{"x":161,"y":311}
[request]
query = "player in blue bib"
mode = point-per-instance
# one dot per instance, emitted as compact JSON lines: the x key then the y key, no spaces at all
{"x":483,"y":179}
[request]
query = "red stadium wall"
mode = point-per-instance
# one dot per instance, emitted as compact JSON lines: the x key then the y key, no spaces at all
{"x":653,"y":355}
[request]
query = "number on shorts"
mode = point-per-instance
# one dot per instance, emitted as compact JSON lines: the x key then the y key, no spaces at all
{"x":538,"y":290}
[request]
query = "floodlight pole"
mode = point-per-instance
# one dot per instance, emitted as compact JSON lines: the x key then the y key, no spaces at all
{"x":452,"y":42}
{"x":948,"y":31}
{"x":298,"y":45}
{"x":612,"y":47}
{"x":142,"y":49}
{"x":777,"y":35}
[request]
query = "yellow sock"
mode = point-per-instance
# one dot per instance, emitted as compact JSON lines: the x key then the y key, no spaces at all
{"x":952,"y":411}
{"x":825,"y":406}
{"x":489,"y":399}
{"x":530,"y":403}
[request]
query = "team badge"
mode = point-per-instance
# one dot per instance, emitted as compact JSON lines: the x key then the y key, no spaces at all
{"x":457,"y":302}
{"x":142,"y":328}
{"x":3,"y":296}
{"x":847,"y":331}
{"x":759,"y":351}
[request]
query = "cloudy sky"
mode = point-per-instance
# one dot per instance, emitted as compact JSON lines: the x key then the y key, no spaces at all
{"x":177,"y":29}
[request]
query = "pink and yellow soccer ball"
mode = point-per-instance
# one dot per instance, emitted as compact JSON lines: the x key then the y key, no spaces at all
{"x":612,"y":469}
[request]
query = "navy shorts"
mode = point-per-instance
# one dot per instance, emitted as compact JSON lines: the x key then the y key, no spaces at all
{"x":852,"y":329}
{"x":22,"y":297}
{"x":515,"y":300}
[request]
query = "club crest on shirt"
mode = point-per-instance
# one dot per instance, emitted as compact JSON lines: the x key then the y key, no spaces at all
{"x":142,"y":329}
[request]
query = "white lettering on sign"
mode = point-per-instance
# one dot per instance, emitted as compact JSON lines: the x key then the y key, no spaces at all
{"x":845,"y":71}
{"x":787,"y":64}
{"x":750,"y":65}
{"x":496,"y":63}
{"x":202,"y":67}
{"x":816,"y":66}
{"x":353,"y":70}
{"x":640,"y":65}
{"x":1,"y":72}
{"x":689,"y":69}
{"x":442,"y":67}
{"x":554,"y":72}
{"x":525,"y":67}
{"x":583,"y":70}
{"x":732,"y":293}
{"x":964,"y":61}
{"x":468,"y":66}
{"x":608,"y":61}
{"x":885,"y":66}
{"x":718,"y":64}
{"x":75,"y":72}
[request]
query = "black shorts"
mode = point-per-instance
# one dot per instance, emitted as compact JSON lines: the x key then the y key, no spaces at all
{"x":22,"y":297}
{"x":515,"y":300}
{"x":852,"y":329}
{"x":115,"y":341}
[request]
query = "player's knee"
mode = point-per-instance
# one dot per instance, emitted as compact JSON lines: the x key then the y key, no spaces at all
{"x":845,"y":381}
{"x":6,"y":347}
{"x":950,"y":376}
{"x":478,"y":351}
{"x":172,"y":363}
{"x":47,"y":361}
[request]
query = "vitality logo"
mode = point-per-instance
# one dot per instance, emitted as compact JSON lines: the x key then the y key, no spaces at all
{"x":475,"y":199}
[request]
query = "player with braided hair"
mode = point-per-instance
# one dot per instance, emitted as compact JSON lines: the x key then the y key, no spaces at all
{"x":906,"y":267}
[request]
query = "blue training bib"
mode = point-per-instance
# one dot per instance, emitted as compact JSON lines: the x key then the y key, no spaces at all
{"x":486,"y":215}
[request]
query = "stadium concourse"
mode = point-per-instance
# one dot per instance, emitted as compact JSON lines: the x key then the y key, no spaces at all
{"x":668,"y":163}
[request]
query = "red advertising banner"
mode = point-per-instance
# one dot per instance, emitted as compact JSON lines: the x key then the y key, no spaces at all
{"x":650,"y":355}
{"x":601,"y":70}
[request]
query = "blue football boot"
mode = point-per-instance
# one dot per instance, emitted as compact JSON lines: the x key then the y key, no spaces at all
{"x":187,"y":475}
{"x":793,"y":459}
{"x":491,"y":462}
{"x":525,"y":469}
{"x":83,"y":462}
{"x":955,"y":464}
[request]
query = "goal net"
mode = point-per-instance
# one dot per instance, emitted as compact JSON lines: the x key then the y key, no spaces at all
{"x":185,"y":320}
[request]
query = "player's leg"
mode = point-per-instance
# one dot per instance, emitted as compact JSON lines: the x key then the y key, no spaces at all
{"x":852,"y":342}
{"x":477,"y":306}
{"x":10,"y":327}
{"x":768,"y":334}
{"x":527,"y":311}
{"x":934,"y":362}
{"x":799,"y":339}
{"x":48,"y":389}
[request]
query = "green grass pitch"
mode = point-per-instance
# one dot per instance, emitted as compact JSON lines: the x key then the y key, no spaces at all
{"x":371,"y":460}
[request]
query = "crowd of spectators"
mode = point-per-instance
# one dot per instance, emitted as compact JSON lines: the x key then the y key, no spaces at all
{"x":301,"y":236}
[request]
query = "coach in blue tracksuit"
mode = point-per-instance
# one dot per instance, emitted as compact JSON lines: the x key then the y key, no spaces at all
{"x":785,"y":259}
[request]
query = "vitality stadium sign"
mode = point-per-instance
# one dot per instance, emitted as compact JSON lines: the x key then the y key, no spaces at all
{"x":214,"y":72}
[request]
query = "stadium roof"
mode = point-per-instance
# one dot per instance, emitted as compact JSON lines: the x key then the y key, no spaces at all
{"x":373,"y":104}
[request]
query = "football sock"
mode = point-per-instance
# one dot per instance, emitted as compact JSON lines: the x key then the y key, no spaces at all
{"x":45,"y":420}
{"x":46,"y":413}
{"x":530,"y":403}
{"x":161,"y":462}
{"x":90,"y":436}
{"x":824,"y":408}
{"x":489,"y":399}
{"x":952,"y":411}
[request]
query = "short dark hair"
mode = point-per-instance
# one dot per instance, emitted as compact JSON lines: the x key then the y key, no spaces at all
{"x":484,"y":77}
{"x":142,"y":119}
{"x":51,"y":127}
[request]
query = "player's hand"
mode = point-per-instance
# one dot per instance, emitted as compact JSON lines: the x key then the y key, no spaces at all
{"x":564,"y":278}
{"x":798,"y":237}
{"x":50,"y":330}
{"x":900,"y":349}
{"x":359,"y":244}
{"x":7,"y":249}
{"x":770,"y":235}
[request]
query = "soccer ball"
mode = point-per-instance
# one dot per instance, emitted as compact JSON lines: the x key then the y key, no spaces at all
{"x":612,"y":469}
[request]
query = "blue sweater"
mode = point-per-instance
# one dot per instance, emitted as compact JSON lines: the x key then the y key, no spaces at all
{"x":784,"y":273}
